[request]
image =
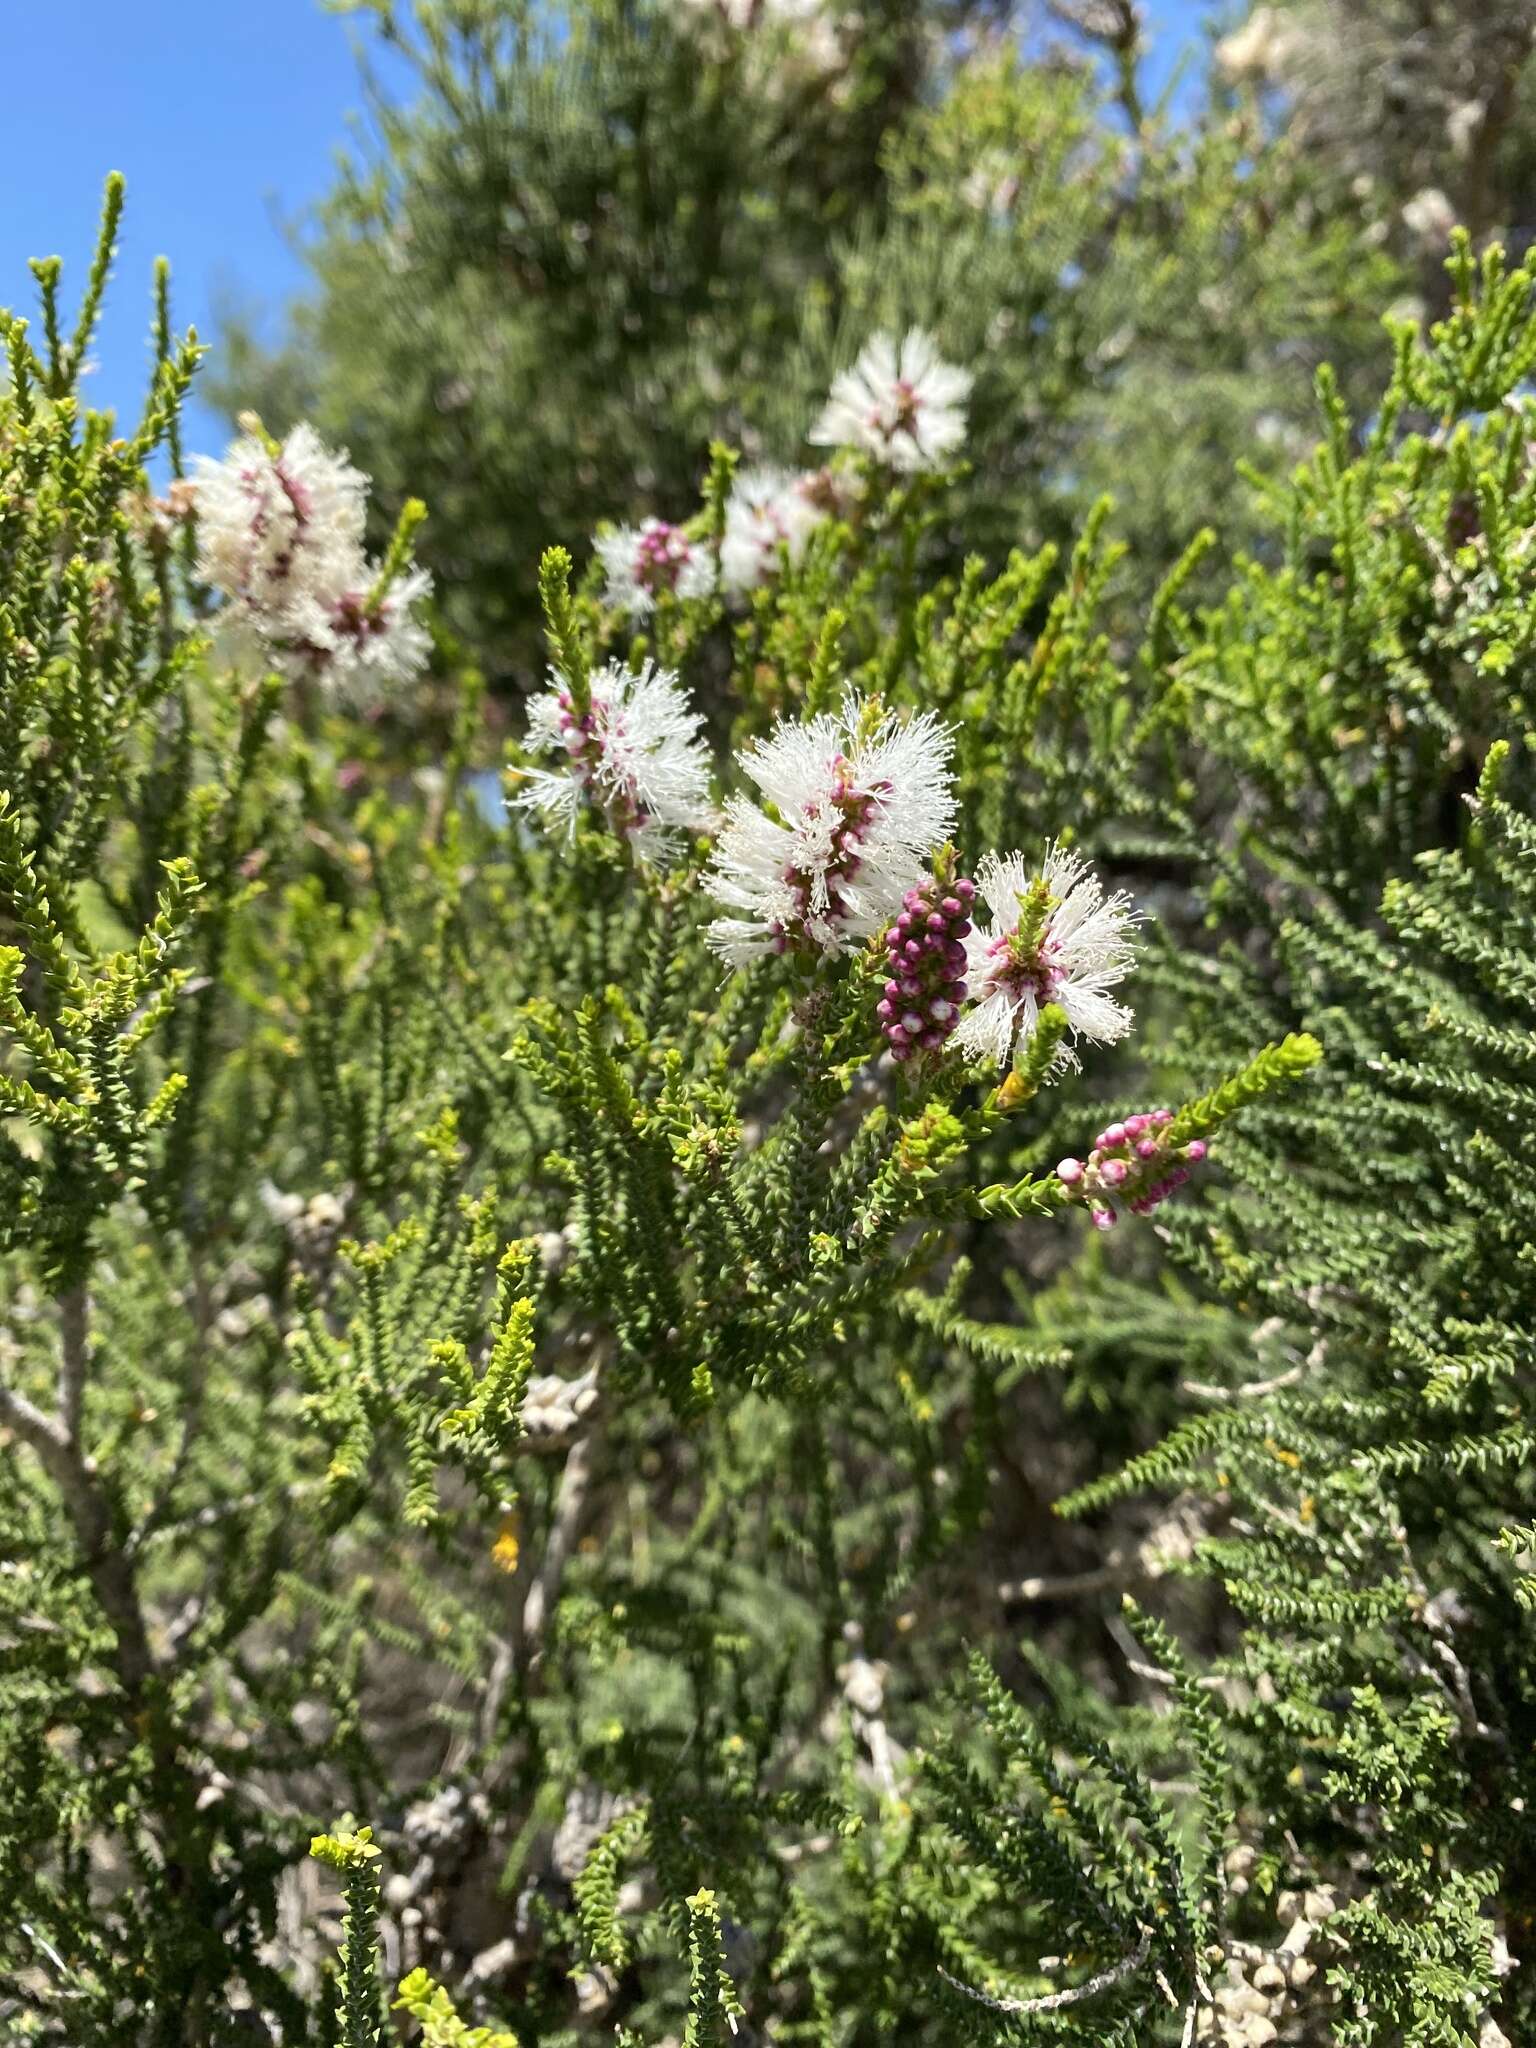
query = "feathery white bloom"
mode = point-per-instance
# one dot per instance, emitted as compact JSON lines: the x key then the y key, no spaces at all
{"x":281,"y":535}
{"x":636,"y":756}
{"x":859,"y":799}
{"x":767,"y":510}
{"x":642,"y":561}
{"x":992,"y":185}
{"x":901,"y":402}
{"x":1055,"y":937}
{"x":275,"y":528}
{"x":353,"y":646}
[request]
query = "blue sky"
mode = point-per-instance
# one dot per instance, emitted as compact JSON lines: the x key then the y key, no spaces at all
{"x":226,"y":117}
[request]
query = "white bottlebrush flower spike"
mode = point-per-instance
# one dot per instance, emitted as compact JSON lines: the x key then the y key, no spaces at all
{"x":640,"y":562}
{"x":901,"y":402}
{"x":767,"y":511}
{"x":1055,"y":937}
{"x":635,"y":756}
{"x":280,"y":534}
{"x":352,"y":644}
{"x":860,"y":798}
{"x":274,"y":528}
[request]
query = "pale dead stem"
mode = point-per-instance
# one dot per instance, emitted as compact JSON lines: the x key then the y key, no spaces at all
{"x":1058,"y":2001}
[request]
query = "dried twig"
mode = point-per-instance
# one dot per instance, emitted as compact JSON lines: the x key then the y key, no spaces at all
{"x":1057,"y":2001}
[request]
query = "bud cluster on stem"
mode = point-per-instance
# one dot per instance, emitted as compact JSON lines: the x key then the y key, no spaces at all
{"x":925,"y":951}
{"x":1131,"y":1163}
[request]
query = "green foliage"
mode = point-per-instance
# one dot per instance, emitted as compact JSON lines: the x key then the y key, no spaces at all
{"x":441,"y":2026}
{"x":354,"y":1854}
{"x":472,"y":1357}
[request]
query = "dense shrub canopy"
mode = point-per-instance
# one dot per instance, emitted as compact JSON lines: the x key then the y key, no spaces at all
{"x":823,"y":1337}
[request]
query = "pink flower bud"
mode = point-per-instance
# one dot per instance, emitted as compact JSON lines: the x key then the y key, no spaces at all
{"x":1069,"y":1171}
{"x":1195,"y":1150}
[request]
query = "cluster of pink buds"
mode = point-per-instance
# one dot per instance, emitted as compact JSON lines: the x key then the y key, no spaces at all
{"x":925,"y":948}
{"x":661,"y":554}
{"x":1131,"y":1163}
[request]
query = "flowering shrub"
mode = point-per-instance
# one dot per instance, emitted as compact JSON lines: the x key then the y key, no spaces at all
{"x":643,"y":561}
{"x":552,"y":1322}
{"x":901,"y":403}
{"x":280,"y":534}
{"x":579,"y":242}
{"x":629,"y":750}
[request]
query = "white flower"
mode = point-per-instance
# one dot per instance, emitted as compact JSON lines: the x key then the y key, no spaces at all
{"x":635,"y":756}
{"x":642,"y":561}
{"x":1261,"y":48}
{"x":275,"y":528}
{"x":351,"y":644}
{"x":859,"y":798}
{"x":282,"y":537}
{"x":901,"y":402}
{"x":1055,"y":937}
{"x":767,"y":511}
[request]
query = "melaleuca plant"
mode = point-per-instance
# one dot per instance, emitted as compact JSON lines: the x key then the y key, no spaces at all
{"x":1353,"y":1474}
{"x":485,"y":1339}
{"x":131,"y":841}
{"x":1319,"y":1836}
{"x":578,"y":244}
{"x":558,"y":1308}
